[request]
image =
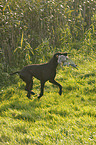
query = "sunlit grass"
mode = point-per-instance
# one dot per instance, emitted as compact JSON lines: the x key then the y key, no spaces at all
{"x":66,"y":119}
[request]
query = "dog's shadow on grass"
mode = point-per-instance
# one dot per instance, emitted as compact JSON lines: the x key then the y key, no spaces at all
{"x":29,"y":110}
{"x":20,"y":107}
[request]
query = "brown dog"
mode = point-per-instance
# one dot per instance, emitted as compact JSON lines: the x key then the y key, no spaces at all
{"x":43,"y":72}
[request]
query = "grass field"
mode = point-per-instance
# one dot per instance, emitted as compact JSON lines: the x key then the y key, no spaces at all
{"x":69,"y":119}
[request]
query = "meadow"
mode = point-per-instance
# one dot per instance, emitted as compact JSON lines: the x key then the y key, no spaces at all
{"x":69,"y":119}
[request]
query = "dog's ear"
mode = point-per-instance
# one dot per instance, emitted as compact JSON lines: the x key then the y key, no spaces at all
{"x":56,"y":56}
{"x":65,"y":54}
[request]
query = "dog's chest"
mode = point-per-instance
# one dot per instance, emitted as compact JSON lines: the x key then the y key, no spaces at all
{"x":48,"y":73}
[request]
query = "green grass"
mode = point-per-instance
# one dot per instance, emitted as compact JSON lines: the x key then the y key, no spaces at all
{"x":69,"y":119}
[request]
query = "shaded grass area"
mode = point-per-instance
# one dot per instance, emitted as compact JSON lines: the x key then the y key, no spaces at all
{"x":66,"y":119}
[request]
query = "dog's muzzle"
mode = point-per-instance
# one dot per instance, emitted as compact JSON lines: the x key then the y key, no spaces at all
{"x":66,"y":61}
{"x":62,"y":58}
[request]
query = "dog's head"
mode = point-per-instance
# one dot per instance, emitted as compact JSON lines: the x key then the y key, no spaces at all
{"x":61,"y":57}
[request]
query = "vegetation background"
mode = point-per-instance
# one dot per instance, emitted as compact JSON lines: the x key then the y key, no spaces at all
{"x":31,"y":31}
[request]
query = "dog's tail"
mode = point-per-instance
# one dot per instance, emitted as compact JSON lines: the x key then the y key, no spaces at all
{"x":15,"y":73}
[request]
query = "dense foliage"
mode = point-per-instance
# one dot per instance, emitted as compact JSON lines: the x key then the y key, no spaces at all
{"x":34,"y":28}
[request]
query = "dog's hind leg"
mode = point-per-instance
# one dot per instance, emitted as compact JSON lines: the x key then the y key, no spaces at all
{"x":29,"y":84}
{"x":29,"y":87}
{"x":55,"y":83}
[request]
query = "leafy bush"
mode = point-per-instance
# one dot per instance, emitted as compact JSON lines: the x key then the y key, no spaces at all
{"x":26,"y":25}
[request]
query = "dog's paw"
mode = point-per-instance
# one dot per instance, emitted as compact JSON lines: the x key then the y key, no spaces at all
{"x":60,"y":93}
{"x":28,"y":95}
{"x":39,"y":97}
{"x":32,"y":93}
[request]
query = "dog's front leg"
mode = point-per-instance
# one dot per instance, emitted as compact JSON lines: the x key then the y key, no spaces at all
{"x":55,"y":83}
{"x":42,"y":90}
